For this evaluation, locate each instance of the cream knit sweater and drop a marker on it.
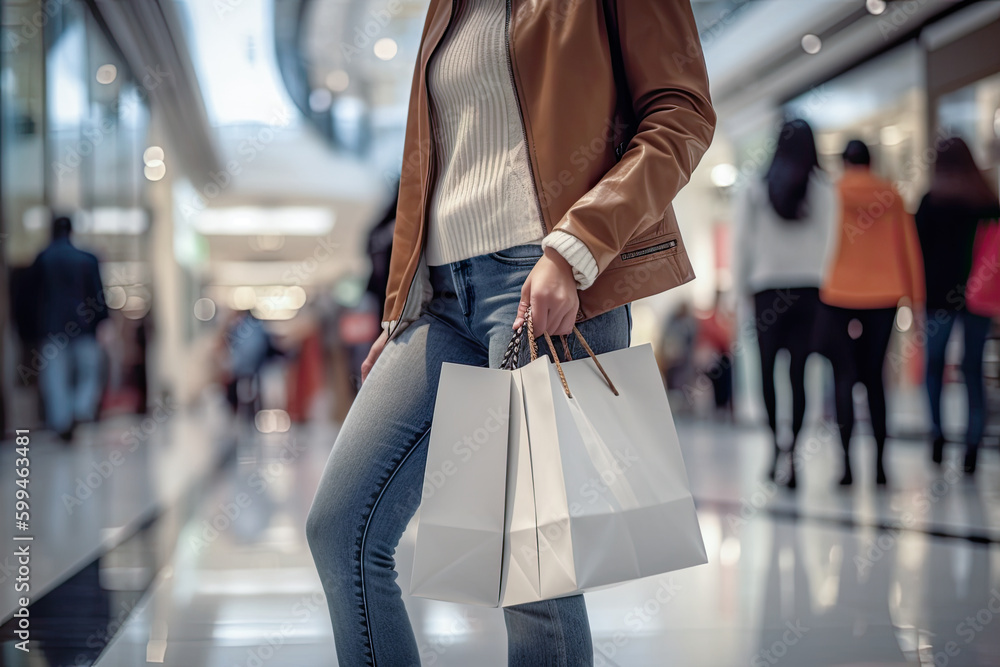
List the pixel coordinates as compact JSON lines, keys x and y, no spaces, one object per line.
{"x":484,"y":199}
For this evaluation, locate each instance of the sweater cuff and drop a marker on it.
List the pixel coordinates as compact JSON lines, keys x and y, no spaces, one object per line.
{"x":576,"y":252}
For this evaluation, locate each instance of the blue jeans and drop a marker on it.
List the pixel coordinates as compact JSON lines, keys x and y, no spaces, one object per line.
{"x":975,"y":329}
{"x":66,"y":400}
{"x":372,"y":482}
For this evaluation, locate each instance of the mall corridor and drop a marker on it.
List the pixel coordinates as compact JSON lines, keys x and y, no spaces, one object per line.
{"x":213,"y":214}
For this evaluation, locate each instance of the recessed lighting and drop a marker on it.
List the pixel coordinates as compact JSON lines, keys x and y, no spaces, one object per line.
{"x":891,"y":135}
{"x":338,"y":80}
{"x":204,"y":309}
{"x":724,"y":175}
{"x":152,"y":154}
{"x":155,"y":170}
{"x":107,"y":73}
{"x":243,"y":298}
{"x":812,"y":44}
{"x":386,"y":48}
{"x":876,"y":7}
{"x":115,"y":296}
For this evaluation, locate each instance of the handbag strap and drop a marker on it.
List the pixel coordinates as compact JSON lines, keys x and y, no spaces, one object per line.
{"x":623,"y":103}
{"x":555,"y":355}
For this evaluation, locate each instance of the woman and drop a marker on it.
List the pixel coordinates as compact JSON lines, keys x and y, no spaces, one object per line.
{"x":510,"y":196}
{"x":784,"y":224}
{"x":959,"y":199}
{"x":877,"y":264}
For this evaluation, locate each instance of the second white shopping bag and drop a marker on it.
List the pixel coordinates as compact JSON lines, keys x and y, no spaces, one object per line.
{"x":611,"y":494}
{"x":580,"y":488}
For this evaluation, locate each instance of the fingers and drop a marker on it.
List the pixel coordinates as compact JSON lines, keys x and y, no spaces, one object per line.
{"x":368,"y":363}
{"x":373,"y":355}
{"x":552,"y":314}
{"x":566,"y":324}
{"x":522,"y":307}
{"x":550,"y":290}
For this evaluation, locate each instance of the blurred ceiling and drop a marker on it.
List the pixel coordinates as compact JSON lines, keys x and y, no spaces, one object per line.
{"x":303,"y":102}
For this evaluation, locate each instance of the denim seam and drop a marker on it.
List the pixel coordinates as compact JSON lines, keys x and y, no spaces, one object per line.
{"x":364,"y":534}
{"x":560,"y":635}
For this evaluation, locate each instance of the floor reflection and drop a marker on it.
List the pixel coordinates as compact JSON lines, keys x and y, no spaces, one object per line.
{"x":817,"y":577}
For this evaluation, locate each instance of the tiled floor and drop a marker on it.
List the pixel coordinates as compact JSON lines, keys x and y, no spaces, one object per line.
{"x":87,"y":497}
{"x":819,"y":577}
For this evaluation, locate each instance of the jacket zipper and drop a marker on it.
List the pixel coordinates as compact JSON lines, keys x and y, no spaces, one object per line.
{"x":431,"y":159}
{"x":520,"y":112}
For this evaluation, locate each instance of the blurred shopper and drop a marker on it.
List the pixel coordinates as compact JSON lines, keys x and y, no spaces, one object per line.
{"x":877,"y":263}
{"x":247,"y":346}
{"x":511,"y":195}
{"x":380,"y":254}
{"x":72,"y":297}
{"x":676,"y":355}
{"x":960,"y":203}
{"x":715,"y":340}
{"x":784,"y":224}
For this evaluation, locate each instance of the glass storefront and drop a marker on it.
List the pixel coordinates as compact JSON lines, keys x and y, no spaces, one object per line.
{"x":973,"y":113}
{"x":75,"y":123}
{"x":883,"y":103}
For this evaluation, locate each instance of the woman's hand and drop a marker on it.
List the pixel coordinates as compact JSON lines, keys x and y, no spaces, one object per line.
{"x":550,"y":290}
{"x":373,"y":354}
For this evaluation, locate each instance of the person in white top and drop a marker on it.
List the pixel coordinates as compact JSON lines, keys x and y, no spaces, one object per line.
{"x":784,"y":230}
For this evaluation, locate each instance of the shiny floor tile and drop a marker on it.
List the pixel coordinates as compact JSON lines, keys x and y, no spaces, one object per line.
{"x":822,"y":576}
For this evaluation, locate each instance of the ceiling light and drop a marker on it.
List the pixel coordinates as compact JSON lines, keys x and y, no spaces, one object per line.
{"x":243,"y":298}
{"x":812,"y":44}
{"x":155,"y":170}
{"x":385,"y":48}
{"x":204,"y":309}
{"x":254,"y":221}
{"x":891,"y":135}
{"x":107,"y":73}
{"x":876,"y":7}
{"x":152,"y":154}
{"x":338,"y":80}
{"x":724,"y":175}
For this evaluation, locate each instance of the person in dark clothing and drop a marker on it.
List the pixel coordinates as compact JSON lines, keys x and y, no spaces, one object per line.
{"x":380,"y":252}
{"x":959,"y":200}
{"x":69,"y":285}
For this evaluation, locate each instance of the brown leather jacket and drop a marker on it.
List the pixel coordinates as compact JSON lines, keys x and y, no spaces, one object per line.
{"x":562,"y":71}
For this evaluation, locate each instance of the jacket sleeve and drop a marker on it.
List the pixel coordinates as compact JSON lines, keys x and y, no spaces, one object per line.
{"x":668,"y":81}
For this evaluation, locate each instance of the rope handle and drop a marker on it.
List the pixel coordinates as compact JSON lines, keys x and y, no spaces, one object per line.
{"x":565,"y":346}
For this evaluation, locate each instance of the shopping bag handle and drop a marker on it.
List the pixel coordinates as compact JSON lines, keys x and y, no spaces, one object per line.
{"x":555,"y":355}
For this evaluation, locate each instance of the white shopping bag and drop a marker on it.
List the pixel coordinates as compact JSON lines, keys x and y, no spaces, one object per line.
{"x":460,"y":532}
{"x":611,"y":494}
{"x":530,"y":494}
{"x":520,"y":581}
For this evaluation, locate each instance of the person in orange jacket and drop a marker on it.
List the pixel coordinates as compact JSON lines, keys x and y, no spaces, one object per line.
{"x":877,"y":263}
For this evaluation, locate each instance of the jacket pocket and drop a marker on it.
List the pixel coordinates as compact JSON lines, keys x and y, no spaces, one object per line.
{"x":660,"y":245}
{"x":654,"y":231}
